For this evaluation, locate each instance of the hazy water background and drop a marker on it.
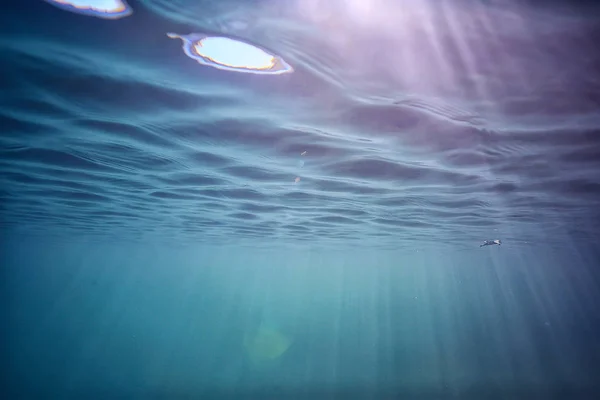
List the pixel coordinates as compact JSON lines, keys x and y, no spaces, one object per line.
{"x":150,"y":216}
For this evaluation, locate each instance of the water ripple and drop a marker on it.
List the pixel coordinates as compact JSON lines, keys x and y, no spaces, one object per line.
{"x":95,"y":142}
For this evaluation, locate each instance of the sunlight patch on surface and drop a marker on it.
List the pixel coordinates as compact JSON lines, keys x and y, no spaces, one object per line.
{"x":110,"y":9}
{"x":230,"y":54}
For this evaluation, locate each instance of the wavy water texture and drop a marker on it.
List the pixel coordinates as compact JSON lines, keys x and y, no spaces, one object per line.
{"x":400,"y":125}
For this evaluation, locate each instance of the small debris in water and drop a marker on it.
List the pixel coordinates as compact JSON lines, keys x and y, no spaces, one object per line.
{"x":491,"y":242}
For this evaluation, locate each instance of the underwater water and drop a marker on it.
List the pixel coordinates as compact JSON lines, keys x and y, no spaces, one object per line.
{"x":286,"y":199}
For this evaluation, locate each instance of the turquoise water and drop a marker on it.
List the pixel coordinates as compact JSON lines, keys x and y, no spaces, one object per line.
{"x":114,"y":321}
{"x":308,"y":226}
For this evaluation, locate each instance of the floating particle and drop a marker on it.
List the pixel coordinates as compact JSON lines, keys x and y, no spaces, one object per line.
{"x":303,"y":153}
{"x":230,"y":54}
{"x":109,"y":9}
{"x":297,"y":179}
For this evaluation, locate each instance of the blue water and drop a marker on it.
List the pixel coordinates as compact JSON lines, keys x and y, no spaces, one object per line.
{"x":173,"y":230}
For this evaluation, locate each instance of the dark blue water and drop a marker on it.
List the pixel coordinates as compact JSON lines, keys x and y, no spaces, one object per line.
{"x":174,"y":230}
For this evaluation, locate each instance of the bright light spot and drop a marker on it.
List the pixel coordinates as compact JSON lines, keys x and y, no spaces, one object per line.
{"x":110,"y":9}
{"x":231,"y":55}
{"x":234,"y":54}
